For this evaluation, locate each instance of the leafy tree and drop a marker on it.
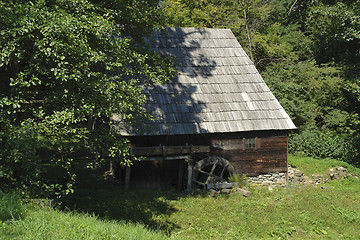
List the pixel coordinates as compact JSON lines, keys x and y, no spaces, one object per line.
{"x":334,"y":27}
{"x":244,"y":18}
{"x":277,"y":43}
{"x":191,"y":13}
{"x":63,"y":64}
{"x":309,"y":93}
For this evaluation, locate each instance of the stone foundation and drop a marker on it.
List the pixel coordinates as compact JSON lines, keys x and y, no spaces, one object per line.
{"x":297,"y":177}
{"x":268,"y":179}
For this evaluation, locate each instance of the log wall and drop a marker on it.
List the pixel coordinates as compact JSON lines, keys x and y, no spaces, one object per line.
{"x":268,"y":153}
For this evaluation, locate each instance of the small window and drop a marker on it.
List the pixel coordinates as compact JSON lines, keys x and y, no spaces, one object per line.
{"x":250,"y":143}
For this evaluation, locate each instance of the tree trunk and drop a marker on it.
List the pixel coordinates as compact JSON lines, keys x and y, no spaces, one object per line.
{"x":248,"y":33}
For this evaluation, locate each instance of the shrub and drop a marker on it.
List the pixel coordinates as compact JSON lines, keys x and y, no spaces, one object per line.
{"x":19,"y":163}
{"x":10,"y":207}
{"x":322,"y":143}
{"x":241,"y":180}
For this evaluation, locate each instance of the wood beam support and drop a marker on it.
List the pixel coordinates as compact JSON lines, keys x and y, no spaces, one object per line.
{"x":181,"y":174}
{"x":190,"y":171}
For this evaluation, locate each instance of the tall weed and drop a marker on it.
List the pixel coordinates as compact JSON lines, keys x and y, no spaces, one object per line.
{"x":241,"y":180}
{"x":10,"y":207}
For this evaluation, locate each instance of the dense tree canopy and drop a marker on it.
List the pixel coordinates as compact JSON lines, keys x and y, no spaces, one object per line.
{"x":64,"y":66}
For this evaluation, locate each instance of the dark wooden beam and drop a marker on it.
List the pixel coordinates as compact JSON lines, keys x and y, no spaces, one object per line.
{"x":169,"y":150}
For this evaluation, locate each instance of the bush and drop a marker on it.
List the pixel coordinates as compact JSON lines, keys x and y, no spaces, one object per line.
{"x":10,"y":207}
{"x":322,"y":143}
{"x":19,"y":163}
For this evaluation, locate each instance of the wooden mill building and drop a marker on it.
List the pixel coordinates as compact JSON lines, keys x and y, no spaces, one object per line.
{"x":218,"y":100}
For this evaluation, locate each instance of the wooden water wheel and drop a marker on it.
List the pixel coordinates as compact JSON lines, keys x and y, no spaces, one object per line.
{"x":212,"y":169}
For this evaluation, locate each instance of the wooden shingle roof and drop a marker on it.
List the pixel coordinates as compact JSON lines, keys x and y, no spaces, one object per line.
{"x":217,"y":89}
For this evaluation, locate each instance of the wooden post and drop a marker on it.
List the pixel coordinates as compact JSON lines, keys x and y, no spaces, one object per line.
{"x":287,"y":161}
{"x":127,"y":178}
{"x":189,"y":179}
{"x":181,"y":173}
{"x":164,"y":152}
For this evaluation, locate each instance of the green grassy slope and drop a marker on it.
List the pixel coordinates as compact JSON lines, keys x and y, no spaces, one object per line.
{"x":48,"y":223}
{"x":304,"y":212}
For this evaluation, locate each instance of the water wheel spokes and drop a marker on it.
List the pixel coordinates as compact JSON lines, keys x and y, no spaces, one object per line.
{"x":211,"y":173}
{"x":223,"y":171}
{"x":212,"y":169}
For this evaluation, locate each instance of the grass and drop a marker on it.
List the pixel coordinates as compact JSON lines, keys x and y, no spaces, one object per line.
{"x":319,"y":166}
{"x":102,"y":210}
{"x":47,"y":223}
{"x":297,"y":213}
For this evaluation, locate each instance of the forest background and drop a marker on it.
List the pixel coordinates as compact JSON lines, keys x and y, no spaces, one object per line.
{"x":67,"y":65}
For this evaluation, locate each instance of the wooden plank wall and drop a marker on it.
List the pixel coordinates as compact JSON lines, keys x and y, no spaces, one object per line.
{"x":269,"y":155}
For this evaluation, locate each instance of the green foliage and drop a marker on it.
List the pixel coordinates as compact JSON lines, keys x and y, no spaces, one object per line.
{"x":322,"y":143}
{"x":20,"y":165}
{"x":10,"y":207}
{"x":335,"y":30}
{"x":307,"y":92}
{"x":65,"y":67}
{"x":191,"y":13}
{"x":243,"y":17}
{"x":277,"y":43}
{"x":316,"y":99}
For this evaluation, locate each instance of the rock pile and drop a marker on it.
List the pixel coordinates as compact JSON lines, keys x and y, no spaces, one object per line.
{"x":226,"y":188}
{"x":295,"y":176}
{"x":319,"y":179}
{"x":338,"y":173}
{"x":270,"y":180}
